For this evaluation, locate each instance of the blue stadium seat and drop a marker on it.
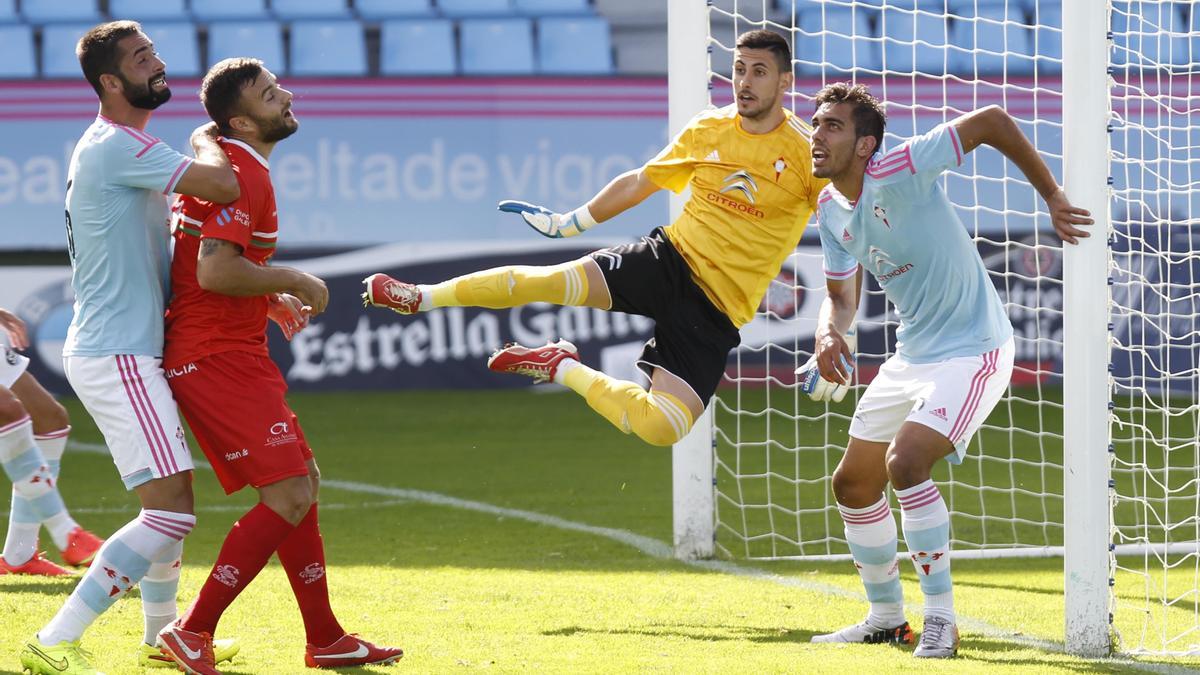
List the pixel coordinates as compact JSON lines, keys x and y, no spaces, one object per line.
{"x":227,"y":10}
{"x":16,"y":52}
{"x":177,"y":46}
{"x":468,"y":8}
{"x":8,"y":11}
{"x":835,"y":37}
{"x":913,"y":41}
{"x":290,"y":10}
{"x":60,"y":11}
{"x":328,"y":48}
{"x":1149,"y":35}
{"x":1047,"y":39}
{"x":376,"y":10}
{"x":417,"y":47}
{"x":259,"y":39}
{"x":58,"y":50}
{"x":496,"y":46}
{"x":574,"y":46}
{"x":147,"y":10}
{"x":990,"y":41}
{"x":552,"y":7}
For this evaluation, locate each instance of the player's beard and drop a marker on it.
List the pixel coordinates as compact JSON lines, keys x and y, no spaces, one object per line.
{"x":277,"y":128}
{"x":143,"y":95}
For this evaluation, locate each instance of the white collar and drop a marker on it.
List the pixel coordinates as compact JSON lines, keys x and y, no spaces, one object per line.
{"x":253,"y":153}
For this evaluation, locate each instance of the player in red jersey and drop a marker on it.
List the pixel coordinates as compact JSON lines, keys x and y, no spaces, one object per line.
{"x":230,"y":391}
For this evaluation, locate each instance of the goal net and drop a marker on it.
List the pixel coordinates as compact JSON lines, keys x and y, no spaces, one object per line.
{"x":930,"y":61}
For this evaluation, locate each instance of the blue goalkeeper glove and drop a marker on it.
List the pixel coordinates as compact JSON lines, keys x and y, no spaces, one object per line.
{"x":821,"y":389}
{"x":549,"y":223}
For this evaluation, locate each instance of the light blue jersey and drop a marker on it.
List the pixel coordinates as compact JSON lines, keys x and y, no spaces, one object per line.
{"x":904,"y":230}
{"x":118,"y":237}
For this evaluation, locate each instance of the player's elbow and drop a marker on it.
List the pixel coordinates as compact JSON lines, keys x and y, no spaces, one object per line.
{"x":226,"y":188}
{"x":209,"y":276}
{"x":998,"y":125}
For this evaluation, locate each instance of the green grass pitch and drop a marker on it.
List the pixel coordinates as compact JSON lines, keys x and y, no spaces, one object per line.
{"x":518,"y":532}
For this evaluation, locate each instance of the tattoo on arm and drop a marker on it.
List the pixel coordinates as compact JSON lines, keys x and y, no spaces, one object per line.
{"x":211,"y":246}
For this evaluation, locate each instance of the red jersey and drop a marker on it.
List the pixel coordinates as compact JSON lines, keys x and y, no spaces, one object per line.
{"x":199,"y":322}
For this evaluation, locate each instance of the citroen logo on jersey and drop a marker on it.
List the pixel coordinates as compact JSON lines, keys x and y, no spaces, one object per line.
{"x":740,"y":181}
{"x":885,"y":269}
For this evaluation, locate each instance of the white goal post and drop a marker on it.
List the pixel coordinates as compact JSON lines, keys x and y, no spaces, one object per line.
{"x":1096,"y":458}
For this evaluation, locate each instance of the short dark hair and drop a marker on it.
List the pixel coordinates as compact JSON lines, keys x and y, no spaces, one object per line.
{"x":868,"y":115}
{"x":221,"y":90}
{"x":99,"y":52}
{"x":771,"y":41}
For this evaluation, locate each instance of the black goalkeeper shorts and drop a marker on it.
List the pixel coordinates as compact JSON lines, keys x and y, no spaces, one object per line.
{"x":692,"y":338}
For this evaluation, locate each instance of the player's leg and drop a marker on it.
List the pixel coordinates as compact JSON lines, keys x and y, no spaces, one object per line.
{"x":959,"y":395}
{"x":129,"y":399}
{"x":659,"y":416}
{"x":571,"y":283}
{"x":51,"y":426}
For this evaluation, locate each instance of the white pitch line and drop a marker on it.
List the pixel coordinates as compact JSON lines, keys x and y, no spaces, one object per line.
{"x":660,"y":550}
{"x":223,"y":508}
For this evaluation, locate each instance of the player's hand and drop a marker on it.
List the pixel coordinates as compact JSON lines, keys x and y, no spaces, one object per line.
{"x":826,"y":376}
{"x":545,"y":221}
{"x":289,"y":313}
{"x":1065,"y":217}
{"x":312,"y":292}
{"x":13,"y":325}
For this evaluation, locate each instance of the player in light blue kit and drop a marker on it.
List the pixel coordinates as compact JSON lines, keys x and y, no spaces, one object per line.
{"x":117,"y":236}
{"x":954,"y":355}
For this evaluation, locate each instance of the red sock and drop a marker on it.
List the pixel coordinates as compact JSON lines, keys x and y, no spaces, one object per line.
{"x":246,"y":550}
{"x":303,"y":557}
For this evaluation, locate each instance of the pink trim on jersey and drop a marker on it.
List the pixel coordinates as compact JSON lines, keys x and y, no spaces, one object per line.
{"x":893,"y":162}
{"x":878,"y":513}
{"x":176,"y":176}
{"x":957,"y":146}
{"x":974,"y":395}
{"x":825,"y":196}
{"x":923,"y":498}
{"x":145,"y":150}
{"x":841,"y":275}
{"x":13,"y":425}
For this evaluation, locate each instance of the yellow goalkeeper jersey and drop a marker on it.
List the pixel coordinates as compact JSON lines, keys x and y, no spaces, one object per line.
{"x":752,"y":197}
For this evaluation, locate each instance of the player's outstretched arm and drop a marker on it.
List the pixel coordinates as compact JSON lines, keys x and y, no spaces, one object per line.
{"x":826,"y":376}
{"x":623,"y":192}
{"x":995,"y":127}
{"x":221,"y":268}
{"x":211,"y":176}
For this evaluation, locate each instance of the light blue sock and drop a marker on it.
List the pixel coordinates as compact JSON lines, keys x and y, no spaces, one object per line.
{"x":926,"y":523}
{"x":871,"y":534}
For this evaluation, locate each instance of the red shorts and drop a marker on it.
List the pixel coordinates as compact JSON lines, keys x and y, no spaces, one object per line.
{"x":234,"y":403}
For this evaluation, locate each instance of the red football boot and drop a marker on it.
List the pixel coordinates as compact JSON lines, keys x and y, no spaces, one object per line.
{"x":82,"y":547}
{"x":350,"y":650}
{"x":540,"y":363}
{"x":35,"y":566}
{"x":398,"y":296}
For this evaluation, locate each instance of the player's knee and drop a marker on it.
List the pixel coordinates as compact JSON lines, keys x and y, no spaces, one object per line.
{"x":11,"y":409}
{"x":847,"y":487}
{"x":52,"y":418}
{"x":906,"y":467}
{"x":654,"y":427}
{"x":291,"y":498}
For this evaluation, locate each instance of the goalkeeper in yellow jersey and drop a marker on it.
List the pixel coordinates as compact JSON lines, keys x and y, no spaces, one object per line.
{"x":700,"y":278}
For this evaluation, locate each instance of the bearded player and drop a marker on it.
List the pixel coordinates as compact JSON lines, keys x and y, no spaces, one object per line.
{"x":699,"y":279}
{"x":230,"y":391}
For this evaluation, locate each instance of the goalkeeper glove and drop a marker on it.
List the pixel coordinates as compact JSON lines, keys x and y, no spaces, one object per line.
{"x":817,"y":387}
{"x":549,"y":223}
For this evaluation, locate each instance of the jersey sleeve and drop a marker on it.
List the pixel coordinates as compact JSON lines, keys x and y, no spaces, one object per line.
{"x":839,"y":264}
{"x":920,"y":160}
{"x":673,"y":167}
{"x":234,"y":222}
{"x":146,"y":163}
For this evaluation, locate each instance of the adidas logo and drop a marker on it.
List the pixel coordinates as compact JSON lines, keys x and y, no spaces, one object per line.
{"x":939,"y":413}
{"x":846,"y":235}
{"x":713,"y":157}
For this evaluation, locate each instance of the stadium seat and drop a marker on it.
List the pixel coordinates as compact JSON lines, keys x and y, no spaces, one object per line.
{"x":60,"y":11}
{"x":552,"y":7}
{"x":417,"y":47}
{"x":328,"y":48}
{"x":496,"y":46}
{"x":1047,"y":39}
{"x":58,"y":50}
{"x":913,"y":41}
{"x":835,"y":37}
{"x":991,"y":41}
{"x":259,"y":39}
{"x":475,"y":8}
{"x":16,"y":52}
{"x":177,"y":46}
{"x":1149,"y":35}
{"x":147,"y":10}
{"x":226,"y":10}
{"x":375,"y":10}
{"x":574,"y":46}
{"x":8,"y":11}
{"x":290,"y":10}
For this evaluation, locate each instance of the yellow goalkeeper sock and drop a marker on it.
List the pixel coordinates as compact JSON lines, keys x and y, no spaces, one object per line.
{"x":514,"y":286}
{"x":653,"y":416}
